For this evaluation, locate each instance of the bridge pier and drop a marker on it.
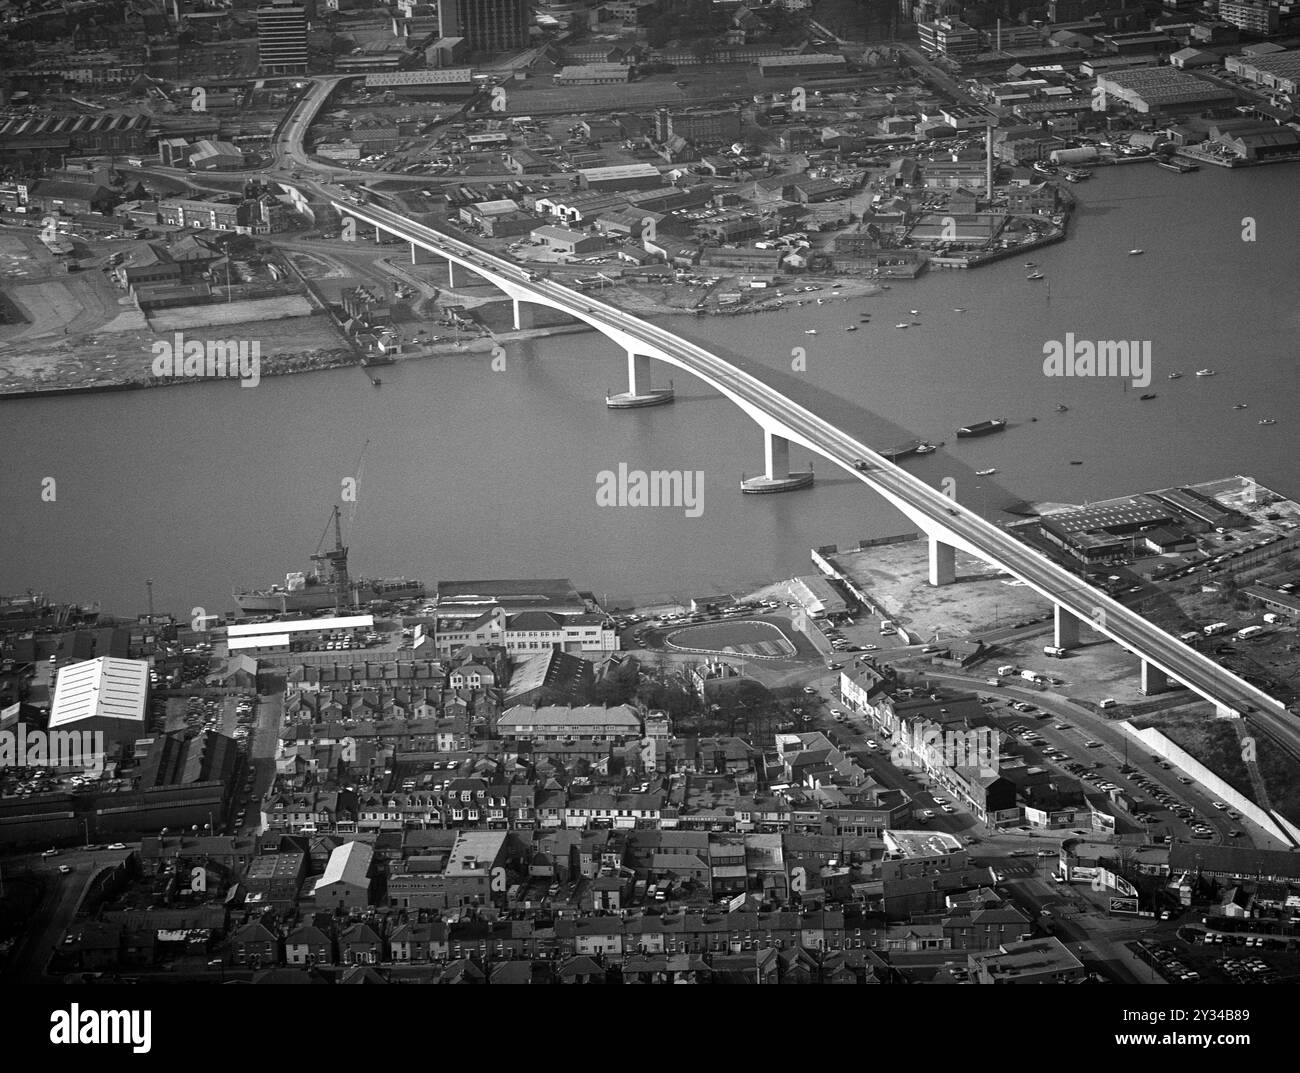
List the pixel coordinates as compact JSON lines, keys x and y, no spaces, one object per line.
{"x":639,"y":392}
{"x":451,"y":272}
{"x":1154,"y":680}
{"x":419,"y":255}
{"x":1067,"y":628}
{"x":777,"y":476}
{"x":943,"y":562}
{"x":523,"y":312}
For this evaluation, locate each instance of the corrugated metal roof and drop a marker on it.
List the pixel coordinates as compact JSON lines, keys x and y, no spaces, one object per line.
{"x":106,"y":688}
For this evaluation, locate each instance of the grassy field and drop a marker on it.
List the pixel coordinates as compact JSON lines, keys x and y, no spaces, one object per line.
{"x":734,"y":638}
{"x":1214,"y":742}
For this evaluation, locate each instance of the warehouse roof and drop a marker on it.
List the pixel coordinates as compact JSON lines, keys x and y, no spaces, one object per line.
{"x":106,"y":688}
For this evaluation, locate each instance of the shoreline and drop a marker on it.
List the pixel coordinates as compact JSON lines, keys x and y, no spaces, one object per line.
{"x":640,"y":305}
{"x":483,"y":343}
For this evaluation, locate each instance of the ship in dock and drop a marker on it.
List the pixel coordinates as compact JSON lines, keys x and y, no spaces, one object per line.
{"x":982,"y":428}
{"x":327,"y":584}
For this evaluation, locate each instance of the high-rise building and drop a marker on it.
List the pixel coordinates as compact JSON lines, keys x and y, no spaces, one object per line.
{"x":282,"y":38}
{"x":951,"y":37}
{"x":486,"y":25}
{"x":1256,"y":18}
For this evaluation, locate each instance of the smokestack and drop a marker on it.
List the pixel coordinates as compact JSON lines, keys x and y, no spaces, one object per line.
{"x":988,"y":159}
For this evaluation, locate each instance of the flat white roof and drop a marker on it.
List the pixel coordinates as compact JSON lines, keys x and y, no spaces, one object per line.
{"x":107,"y":688}
{"x":913,"y":844}
{"x":269,"y":640}
{"x":344,"y":622}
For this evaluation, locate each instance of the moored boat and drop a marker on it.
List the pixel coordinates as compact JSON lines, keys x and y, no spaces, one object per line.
{"x":982,"y":428}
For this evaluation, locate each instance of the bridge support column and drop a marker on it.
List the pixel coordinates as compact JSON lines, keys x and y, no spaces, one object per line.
{"x":523,"y":314}
{"x":1067,"y":628}
{"x":451,"y":272}
{"x":1154,"y":680}
{"x":419,"y":255}
{"x":777,"y":476}
{"x":943,"y":562}
{"x":639,"y":393}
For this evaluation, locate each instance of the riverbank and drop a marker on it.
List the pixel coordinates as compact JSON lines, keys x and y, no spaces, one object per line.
{"x":139,"y":376}
{"x":122,"y":361}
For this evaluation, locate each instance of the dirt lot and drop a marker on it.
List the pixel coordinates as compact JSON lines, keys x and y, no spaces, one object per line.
{"x":260,"y":312}
{"x":896,"y":577}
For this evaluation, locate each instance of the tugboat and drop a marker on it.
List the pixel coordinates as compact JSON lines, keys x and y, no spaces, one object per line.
{"x":1148,"y":395}
{"x":1205,"y":372}
{"x":985,"y":472}
{"x":1061,"y":408}
{"x":1035,"y":275}
{"x":1239,"y":406}
{"x":1175,"y":376}
{"x":1267,"y":421}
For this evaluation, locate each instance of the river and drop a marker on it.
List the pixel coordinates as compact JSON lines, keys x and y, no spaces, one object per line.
{"x":476,"y":473}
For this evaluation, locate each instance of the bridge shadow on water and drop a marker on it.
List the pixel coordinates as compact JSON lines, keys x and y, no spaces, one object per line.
{"x":865,"y":425}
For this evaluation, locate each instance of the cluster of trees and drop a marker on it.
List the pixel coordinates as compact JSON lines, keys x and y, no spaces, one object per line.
{"x":695,"y":23}
{"x":859,"y":20}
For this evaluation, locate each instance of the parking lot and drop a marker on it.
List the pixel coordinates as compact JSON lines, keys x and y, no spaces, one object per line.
{"x":1217,"y":963}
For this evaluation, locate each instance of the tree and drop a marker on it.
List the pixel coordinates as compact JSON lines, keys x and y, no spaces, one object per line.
{"x":702,"y":48}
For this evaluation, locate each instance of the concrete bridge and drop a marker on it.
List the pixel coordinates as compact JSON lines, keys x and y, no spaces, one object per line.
{"x":948,"y":525}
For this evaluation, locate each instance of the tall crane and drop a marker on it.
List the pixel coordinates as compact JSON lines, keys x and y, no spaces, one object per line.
{"x":337,"y":562}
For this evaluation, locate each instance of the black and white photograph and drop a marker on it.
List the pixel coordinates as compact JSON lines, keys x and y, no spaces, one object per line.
{"x":609,"y":492}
